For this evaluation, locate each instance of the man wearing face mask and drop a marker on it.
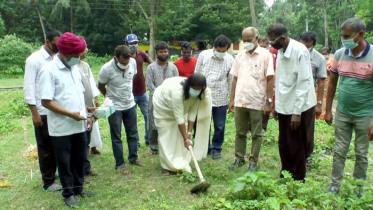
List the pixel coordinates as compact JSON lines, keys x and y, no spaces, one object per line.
{"x":295,"y":100}
{"x":252,"y":91}
{"x":34,"y":63}
{"x":139,"y":88}
{"x":62,"y":93}
{"x":156,"y":73}
{"x":352,"y":65}
{"x":187,"y":63}
{"x":215,"y":65}
{"x":318,"y":63}
{"x":115,"y":82}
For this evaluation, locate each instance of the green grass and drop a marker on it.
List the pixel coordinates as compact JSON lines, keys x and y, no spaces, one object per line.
{"x":11,"y":82}
{"x":144,"y":188}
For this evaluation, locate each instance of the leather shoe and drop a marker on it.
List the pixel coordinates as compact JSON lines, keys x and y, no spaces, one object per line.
{"x":71,"y":201}
{"x":138,"y":163}
{"x":236,"y":163}
{"x":85,"y":193}
{"x":252,"y":167}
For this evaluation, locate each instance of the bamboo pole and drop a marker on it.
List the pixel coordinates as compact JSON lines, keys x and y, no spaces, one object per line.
{"x":24,"y":129}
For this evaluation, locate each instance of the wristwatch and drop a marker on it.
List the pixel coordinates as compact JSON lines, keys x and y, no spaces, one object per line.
{"x":269,"y":100}
{"x":319,"y":102}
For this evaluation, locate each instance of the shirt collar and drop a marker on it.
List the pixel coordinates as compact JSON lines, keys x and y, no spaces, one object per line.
{"x":288,"y":49}
{"x":59,"y":63}
{"x":45,"y":53}
{"x":361,"y":54}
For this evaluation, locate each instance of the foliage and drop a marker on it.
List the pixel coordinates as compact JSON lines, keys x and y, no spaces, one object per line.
{"x":94,"y":60}
{"x":173,"y":58}
{"x":13,"y":52}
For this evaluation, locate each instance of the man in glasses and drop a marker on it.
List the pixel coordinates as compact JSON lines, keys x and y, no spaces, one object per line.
{"x":295,"y":99}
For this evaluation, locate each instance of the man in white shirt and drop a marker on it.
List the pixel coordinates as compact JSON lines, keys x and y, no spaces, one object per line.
{"x":62,"y":93}
{"x":115,"y":82}
{"x":34,"y":63}
{"x":215,"y":65}
{"x":295,"y":99}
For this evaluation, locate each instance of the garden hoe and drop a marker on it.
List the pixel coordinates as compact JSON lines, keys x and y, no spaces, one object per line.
{"x":203,"y":185}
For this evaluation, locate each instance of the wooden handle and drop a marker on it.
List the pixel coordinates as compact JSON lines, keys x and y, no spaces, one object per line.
{"x":196,"y":164}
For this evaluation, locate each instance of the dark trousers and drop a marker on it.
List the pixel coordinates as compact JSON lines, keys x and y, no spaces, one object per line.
{"x":219,"y":116}
{"x":129,"y":119}
{"x":142,"y":101}
{"x":311,"y":135}
{"x":87,"y":164}
{"x":292,"y":144}
{"x":265,"y":120}
{"x":153,"y":140}
{"x":71,"y":155}
{"x":47,"y":159}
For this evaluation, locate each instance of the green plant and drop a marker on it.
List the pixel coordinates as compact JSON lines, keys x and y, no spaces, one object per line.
{"x":173,"y":58}
{"x":19,"y":108}
{"x":189,"y":177}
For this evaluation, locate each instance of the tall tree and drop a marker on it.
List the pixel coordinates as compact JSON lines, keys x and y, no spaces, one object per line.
{"x":252,"y":13}
{"x":35,"y":5}
{"x":150,"y":18}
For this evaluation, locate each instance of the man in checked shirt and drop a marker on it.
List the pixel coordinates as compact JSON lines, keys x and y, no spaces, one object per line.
{"x":215,"y":65}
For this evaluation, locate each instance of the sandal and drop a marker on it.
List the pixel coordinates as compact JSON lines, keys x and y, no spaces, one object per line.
{"x":54,"y":188}
{"x":166,"y":172}
{"x":123,"y":170}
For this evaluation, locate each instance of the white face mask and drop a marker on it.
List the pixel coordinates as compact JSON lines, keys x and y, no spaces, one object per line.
{"x":219,"y":54}
{"x":248,"y":46}
{"x":72,"y":62}
{"x":123,"y":67}
{"x":194,"y":92}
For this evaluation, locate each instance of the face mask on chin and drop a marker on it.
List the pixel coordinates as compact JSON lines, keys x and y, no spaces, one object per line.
{"x":277,"y":46}
{"x":121,"y":66}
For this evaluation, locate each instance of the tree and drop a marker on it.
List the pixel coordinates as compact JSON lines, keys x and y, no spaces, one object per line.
{"x":252,"y":13}
{"x":35,"y":5}
{"x":150,"y":20}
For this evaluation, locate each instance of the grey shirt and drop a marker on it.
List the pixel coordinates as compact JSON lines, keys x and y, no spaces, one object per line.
{"x":318,"y":64}
{"x":155,"y":75}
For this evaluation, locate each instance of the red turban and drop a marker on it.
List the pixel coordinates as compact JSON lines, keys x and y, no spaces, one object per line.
{"x":70,"y":43}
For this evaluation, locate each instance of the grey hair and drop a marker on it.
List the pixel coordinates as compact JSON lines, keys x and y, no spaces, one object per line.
{"x":357,"y":24}
{"x":251,"y":29}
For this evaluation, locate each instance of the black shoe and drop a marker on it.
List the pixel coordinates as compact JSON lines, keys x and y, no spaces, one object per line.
{"x":85,"y":193}
{"x":216,"y":155}
{"x":71,"y":201}
{"x":236,"y":163}
{"x":252,"y":167}
{"x":333,"y":190}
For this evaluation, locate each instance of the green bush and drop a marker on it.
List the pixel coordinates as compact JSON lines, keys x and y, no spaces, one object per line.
{"x":94,"y":60}
{"x":13,"y":53}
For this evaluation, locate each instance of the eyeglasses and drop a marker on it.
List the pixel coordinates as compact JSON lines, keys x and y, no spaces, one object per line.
{"x":274,"y":41}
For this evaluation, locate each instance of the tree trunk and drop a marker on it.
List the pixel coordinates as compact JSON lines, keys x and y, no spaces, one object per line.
{"x":152,"y":35}
{"x":326,"y":24}
{"x":252,"y":12}
{"x":41,"y":23}
{"x":71,"y":19}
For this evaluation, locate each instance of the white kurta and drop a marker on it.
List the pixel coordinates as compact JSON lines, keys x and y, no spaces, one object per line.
{"x":170,"y":109}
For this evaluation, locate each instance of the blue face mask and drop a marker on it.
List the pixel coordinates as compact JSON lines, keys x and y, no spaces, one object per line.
{"x":193,"y":92}
{"x":350,"y":43}
{"x":72,"y":62}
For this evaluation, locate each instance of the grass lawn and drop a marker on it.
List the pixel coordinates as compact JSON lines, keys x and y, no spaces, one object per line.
{"x":144,"y":188}
{"x":12,"y":82}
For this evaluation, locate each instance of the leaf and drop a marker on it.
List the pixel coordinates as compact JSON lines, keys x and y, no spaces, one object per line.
{"x":298,"y":202}
{"x":254,"y":177}
{"x":239,"y":186}
{"x":273,"y":203}
{"x":284,"y":201}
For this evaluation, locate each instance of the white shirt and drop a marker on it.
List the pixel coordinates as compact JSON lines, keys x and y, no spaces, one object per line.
{"x":119,"y":84}
{"x":34,"y":63}
{"x":65,"y":87}
{"x":216,"y":70}
{"x":295,"y":91}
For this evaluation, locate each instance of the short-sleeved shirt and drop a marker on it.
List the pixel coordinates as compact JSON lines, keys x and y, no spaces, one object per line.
{"x":251,"y":71}
{"x":186,"y":68}
{"x":318,"y":63}
{"x":356,"y":81}
{"x":216,"y":70}
{"x":65,"y":87}
{"x":34,"y":63}
{"x":119,"y":84}
{"x":139,"y":87}
{"x":295,"y":91}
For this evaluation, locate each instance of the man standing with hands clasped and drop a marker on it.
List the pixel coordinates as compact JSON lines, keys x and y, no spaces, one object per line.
{"x":295,"y":100}
{"x":352,"y":65}
{"x":252,"y":90}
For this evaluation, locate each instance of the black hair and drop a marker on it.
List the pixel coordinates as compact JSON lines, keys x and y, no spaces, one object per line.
{"x":222,"y":41}
{"x":357,"y":24}
{"x":196,"y":79}
{"x":277,"y":29}
{"x":327,"y":49}
{"x":52,"y":34}
{"x":186,"y":45}
{"x":263,"y":39}
{"x":308,"y":36}
{"x":161,"y":46}
{"x":122,"y":50}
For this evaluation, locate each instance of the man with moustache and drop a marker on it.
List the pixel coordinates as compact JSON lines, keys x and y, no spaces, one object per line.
{"x":187,"y":63}
{"x":156,"y":73}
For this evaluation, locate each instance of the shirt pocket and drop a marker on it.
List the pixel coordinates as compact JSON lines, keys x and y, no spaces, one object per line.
{"x":257,"y":71}
{"x":287,"y":78}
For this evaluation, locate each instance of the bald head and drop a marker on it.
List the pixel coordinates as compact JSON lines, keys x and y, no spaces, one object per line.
{"x":250,"y":30}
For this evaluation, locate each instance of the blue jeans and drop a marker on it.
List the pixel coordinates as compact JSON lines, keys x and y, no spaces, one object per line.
{"x":219,"y":116}
{"x":142,"y":101}
{"x":129,"y":119}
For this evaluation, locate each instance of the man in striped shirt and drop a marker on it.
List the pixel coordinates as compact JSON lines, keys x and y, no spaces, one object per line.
{"x":215,"y":65}
{"x":353,"y":65}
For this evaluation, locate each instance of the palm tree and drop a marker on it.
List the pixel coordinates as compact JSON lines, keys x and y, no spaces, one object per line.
{"x":68,"y":4}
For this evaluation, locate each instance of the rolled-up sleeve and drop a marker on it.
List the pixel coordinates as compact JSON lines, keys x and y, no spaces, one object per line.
{"x":178,"y":106}
{"x":303,"y":83}
{"x":29,"y":85}
{"x":47,"y":85}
